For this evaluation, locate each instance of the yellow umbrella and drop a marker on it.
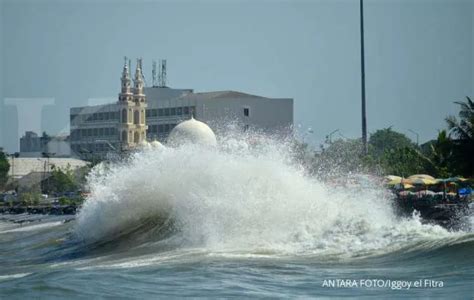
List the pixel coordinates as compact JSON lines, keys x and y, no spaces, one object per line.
{"x":421,"y":181}
{"x":421,"y":176}
{"x":398,"y":180}
{"x":392,"y":177}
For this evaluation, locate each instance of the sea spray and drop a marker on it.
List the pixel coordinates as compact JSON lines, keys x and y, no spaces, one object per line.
{"x":247,"y":195}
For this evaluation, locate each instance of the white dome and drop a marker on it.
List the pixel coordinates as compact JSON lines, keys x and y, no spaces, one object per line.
{"x":156,"y":145}
{"x":144,"y":145}
{"x":192,"y":131}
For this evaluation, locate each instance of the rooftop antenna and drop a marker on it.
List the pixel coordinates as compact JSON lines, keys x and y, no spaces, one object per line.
{"x":140,"y":63}
{"x":153,"y":74}
{"x":162,"y":73}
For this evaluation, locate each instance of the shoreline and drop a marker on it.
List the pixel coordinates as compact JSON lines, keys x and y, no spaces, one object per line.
{"x":40,"y":209}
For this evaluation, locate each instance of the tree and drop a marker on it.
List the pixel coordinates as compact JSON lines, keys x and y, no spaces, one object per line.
{"x":403,"y":162}
{"x":341,"y":157}
{"x":388,"y":139}
{"x":440,"y":154}
{"x":462,"y":132}
{"x":4,"y":168}
{"x":62,"y":181}
{"x":30,"y":198}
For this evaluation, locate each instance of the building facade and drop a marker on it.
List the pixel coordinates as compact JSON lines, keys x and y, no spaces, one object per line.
{"x":32,"y":145}
{"x":149,"y":113}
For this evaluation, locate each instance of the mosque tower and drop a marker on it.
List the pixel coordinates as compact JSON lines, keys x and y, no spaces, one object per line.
{"x":132,"y":106}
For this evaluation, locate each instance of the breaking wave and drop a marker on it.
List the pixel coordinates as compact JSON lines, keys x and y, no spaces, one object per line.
{"x":245,"y":196}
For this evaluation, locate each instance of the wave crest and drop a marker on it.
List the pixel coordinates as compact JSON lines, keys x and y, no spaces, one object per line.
{"x":245,"y":195}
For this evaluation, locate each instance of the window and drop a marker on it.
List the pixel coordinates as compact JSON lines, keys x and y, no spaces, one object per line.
{"x":179,"y":111}
{"x":136,"y":116}
{"x":246,"y":111}
{"x":124,"y":116}
{"x":173,"y":111}
{"x":186,"y":110}
{"x":154,"y":112}
{"x":160,"y":112}
{"x":148,"y":113}
{"x":161,"y":128}
{"x":167,"y":111}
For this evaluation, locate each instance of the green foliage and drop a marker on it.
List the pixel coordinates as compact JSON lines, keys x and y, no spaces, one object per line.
{"x":341,"y":157}
{"x":30,"y":198}
{"x":4,"y":168}
{"x":441,"y":155}
{"x":62,"y":181}
{"x":64,"y":201}
{"x":403,"y":162}
{"x":387,"y":140}
{"x":462,"y":134}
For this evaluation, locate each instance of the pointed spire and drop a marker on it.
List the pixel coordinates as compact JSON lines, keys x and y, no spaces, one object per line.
{"x":126,"y":80}
{"x":138,"y":71}
{"x":139,"y":78}
{"x":125,"y":72}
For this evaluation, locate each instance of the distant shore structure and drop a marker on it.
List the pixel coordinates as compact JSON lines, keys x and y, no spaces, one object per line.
{"x":148,"y":113}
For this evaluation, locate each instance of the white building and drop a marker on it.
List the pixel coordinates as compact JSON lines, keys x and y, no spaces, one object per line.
{"x":22,"y":166}
{"x":152,"y":112}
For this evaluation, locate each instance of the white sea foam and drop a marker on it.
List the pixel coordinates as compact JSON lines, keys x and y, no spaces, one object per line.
{"x":32,"y":227}
{"x":246,"y":195}
{"x":13,"y":276}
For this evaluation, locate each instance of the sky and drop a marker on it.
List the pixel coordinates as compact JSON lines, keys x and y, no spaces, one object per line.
{"x":55,"y":55}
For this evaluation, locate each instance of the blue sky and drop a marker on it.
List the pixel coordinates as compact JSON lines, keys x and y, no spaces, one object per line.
{"x":418,"y":57}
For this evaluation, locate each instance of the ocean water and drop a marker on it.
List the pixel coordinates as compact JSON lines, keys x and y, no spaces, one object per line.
{"x":239,"y":220}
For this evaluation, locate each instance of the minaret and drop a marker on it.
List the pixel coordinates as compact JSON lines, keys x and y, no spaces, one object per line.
{"x":139,"y":99}
{"x":138,"y":90}
{"x":126,"y":94}
{"x":132,"y":106}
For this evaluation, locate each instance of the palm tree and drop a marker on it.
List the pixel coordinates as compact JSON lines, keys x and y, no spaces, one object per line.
{"x":462,"y":133}
{"x":441,"y":155}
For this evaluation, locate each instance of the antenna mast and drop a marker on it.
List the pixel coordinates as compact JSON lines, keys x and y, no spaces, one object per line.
{"x":162,"y":73}
{"x":153,"y":74}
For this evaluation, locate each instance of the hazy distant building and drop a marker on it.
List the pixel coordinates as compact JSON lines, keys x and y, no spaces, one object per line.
{"x":152,"y":112}
{"x":32,"y":145}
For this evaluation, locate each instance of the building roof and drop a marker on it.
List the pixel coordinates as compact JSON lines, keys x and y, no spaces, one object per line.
{"x":220,"y":95}
{"x":33,"y":178}
{"x":227,"y":94}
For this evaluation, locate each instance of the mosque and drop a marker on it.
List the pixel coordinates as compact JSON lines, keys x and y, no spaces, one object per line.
{"x":159,"y":113}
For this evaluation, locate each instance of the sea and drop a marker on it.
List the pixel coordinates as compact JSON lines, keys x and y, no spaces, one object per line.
{"x":240,"y":220}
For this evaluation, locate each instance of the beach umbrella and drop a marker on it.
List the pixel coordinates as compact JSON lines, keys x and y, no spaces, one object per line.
{"x":421,"y":181}
{"x":398,"y":180}
{"x":421,"y":176}
{"x":453,"y":179}
{"x":392,"y":177}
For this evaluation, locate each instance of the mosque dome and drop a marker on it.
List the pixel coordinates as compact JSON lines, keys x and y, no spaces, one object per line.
{"x":144,"y":145}
{"x":156,"y":145}
{"x":192,"y":131}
